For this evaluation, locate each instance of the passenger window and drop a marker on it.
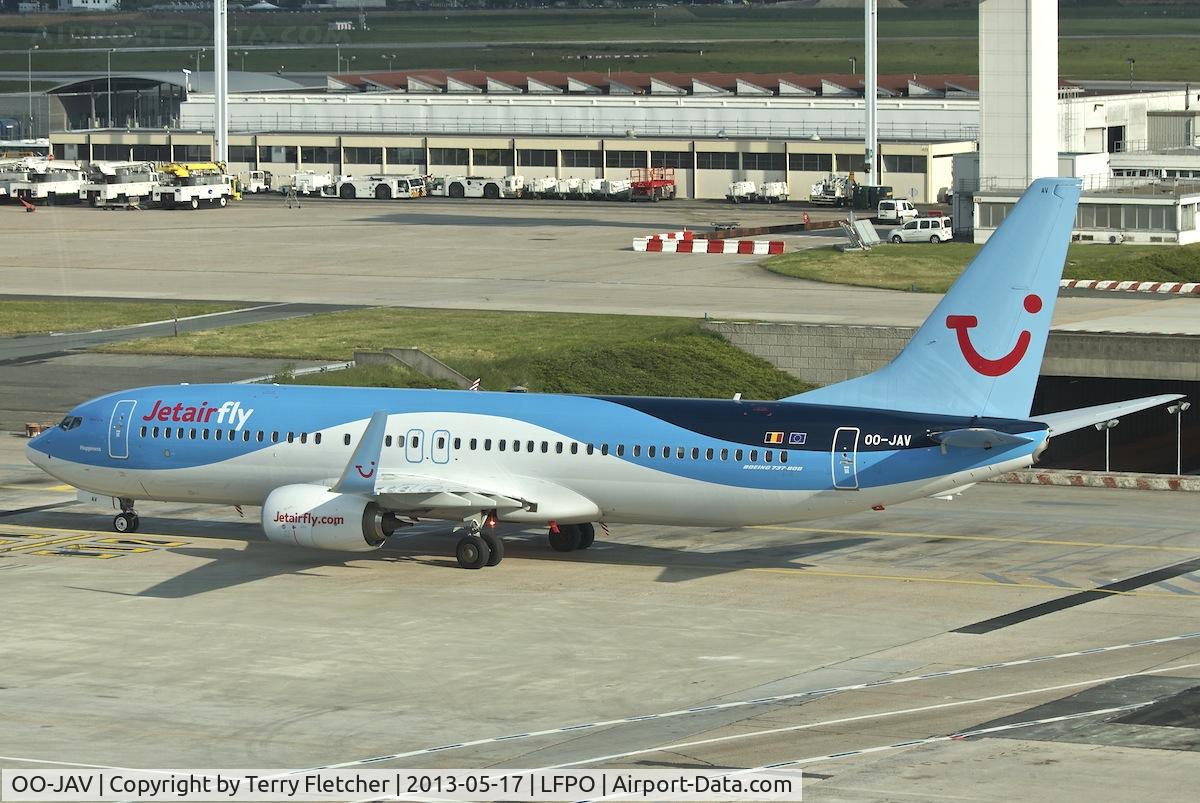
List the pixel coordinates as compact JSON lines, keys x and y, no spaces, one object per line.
{"x":637,"y":450}
{"x":650,"y":451}
{"x":620,"y":450}
{"x":724,"y":454}
{"x":155,"y":432}
{"x":604,"y":449}
{"x":457,"y":444}
{"x":415,"y":442}
{"x":304,"y":437}
{"x":487,"y":444}
{"x":291,"y":437}
{"x":275,"y":437}
{"x":166,"y":432}
{"x":143,"y":432}
{"x":516,"y":446}
{"x":529,"y":446}
{"x":260,"y":435}
{"x":346,"y":439}
{"x":501,"y":444}
{"x":545,"y":447}
{"x":558,"y":448}
{"x":769,"y":455}
{"x":695,"y":453}
{"x":204,"y":434}
{"x":666,"y":452}
{"x":782,"y":456}
{"x":472,"y":444}
{"x":316,"y":439}
{"x":221,"y":435}
{"x":574,"y":448}
{"x":591,"y":448}
{"x":754,"y":455}
{"x":738,"y":455}
{"x":708,"y":454}
{"x":387,"y":440}
{"x":925,"y":224}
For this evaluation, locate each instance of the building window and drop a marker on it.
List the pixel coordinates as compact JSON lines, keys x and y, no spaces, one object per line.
{"x":162,"y":153}
{"x":847,"y":162}
{"x":448,"y":156}
{"x":716,"y":160}
{"x":363,"y":156}
{"x":671,"y":159}
{"x":582,"y":159}
{"x":275,"y":154}
{"x":811,"y":162}
{"x":191,"y":153}
{"x":492,"y":157}
{"x":904,"y":164}
{"x":319,"y":155}
{"x":537,"y":158}
{"x":992,"y":215}
{"x":405,"y":156}
{"x":625,"y":158}
{"x":763,"y":161}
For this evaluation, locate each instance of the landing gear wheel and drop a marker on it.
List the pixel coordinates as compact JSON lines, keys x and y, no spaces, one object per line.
{"x":495,"y":546}
{"x":566,"y":539}
{"x":126,"y":522}
{"x":587,"y":535}
{"x":473,"y":552}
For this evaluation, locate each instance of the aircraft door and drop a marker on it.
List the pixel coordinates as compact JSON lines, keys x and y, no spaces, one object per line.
{"x":414,"y":446}
{"x":845,"y":459}
{"x":118,"y":429}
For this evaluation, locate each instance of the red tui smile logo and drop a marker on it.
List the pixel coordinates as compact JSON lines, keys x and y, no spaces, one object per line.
{"x":1002,"y":365}
{"x":366,"y":475}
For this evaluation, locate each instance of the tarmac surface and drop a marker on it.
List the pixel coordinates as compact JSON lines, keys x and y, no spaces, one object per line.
{"x":514,"y":254}
{"x":198,"y":643}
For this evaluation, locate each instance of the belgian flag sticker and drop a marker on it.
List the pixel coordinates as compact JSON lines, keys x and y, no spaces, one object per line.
{"x":773,"y":437}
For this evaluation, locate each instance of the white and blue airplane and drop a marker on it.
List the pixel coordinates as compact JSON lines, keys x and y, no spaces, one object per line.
{"x":344,"y":468}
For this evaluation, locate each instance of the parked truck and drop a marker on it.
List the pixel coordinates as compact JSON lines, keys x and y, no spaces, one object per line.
{"x":380,"y":187}
{"x":478,"y":187}
{"x":49,"y":181}
{"x":833,"y":190}
{"x":190,"y":184}
{"x":308,"y":182}
{"x":119,"y":184}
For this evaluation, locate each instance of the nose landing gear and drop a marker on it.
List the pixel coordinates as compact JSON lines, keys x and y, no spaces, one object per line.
{"x":127,"y":520}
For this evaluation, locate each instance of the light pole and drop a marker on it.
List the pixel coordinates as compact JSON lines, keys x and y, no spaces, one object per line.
{"x":853,"y":65}
{"x":110,"y":117}
{"x":1177,"y":410}
{"x":199,"y":55}
{"x":391,"y":60}
{"x":30,"y":76}
{"x":338,"y":45}
{"x":1107,"y":427}
{"x":243,"y":55}
{"x":1131,"y":63}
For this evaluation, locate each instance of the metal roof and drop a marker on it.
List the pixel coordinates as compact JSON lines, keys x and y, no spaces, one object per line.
{"x":200,"y":82}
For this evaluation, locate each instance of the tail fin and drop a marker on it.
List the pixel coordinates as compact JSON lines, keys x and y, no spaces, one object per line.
{"x":980,"y":351}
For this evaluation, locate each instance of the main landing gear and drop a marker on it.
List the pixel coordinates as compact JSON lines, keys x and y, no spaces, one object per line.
{"x":127,"y":520}
{"x":569,"y":537}
{"x":482,"y":546}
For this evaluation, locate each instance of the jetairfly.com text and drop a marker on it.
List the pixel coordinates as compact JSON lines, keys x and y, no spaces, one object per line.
{"x":230,"y":412}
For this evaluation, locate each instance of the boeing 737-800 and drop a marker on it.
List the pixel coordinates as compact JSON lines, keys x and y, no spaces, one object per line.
{"x":343,"y":468}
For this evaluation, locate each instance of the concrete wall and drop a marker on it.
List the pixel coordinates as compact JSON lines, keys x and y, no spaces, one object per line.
{"x":822,"y":354}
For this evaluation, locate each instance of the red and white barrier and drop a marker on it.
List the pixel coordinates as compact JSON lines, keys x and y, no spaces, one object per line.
{"x":683,"y":234}
{"x":1187,"y":288}
{"x":1100,"y":479}
{"x":755,"y":247}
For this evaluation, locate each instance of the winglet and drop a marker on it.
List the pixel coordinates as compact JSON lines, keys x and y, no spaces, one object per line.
{"x":361,"y":472}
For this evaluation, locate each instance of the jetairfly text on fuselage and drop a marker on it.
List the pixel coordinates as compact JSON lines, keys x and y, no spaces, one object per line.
{"x":230,"y":412}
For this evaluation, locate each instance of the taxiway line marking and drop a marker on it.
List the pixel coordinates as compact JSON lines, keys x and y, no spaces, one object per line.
{"x":987,"y":538}
{"x":959,"y":736}
{"x":960,"y":581}
{"x":897,"y":712}
{"x":38,"y":488}
{"x":777,"y":698}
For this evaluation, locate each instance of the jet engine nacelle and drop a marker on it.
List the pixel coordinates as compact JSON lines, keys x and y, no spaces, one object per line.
{"x":314,"y":516}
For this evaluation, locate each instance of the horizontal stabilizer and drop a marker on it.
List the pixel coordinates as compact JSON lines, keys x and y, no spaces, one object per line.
{"x":978,"y":438}
{"x":1071,"y":420}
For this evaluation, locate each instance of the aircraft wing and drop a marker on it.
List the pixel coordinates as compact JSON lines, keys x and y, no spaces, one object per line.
{"x":411,"y":493}
{"x":1071,"y":420}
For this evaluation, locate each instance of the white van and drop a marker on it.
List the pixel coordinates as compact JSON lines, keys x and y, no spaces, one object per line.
{"x":924,"y":230}
{"x":895,"y":211}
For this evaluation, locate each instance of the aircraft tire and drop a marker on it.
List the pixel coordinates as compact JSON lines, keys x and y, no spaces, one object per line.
{"x":495,"y":546}
{"x":126,"y":522}
{"x":587,"y":535}
{"x":472,"y":552}
{"x":566,"y":539}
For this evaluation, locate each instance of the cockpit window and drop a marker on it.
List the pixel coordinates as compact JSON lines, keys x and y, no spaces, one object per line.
{"x":70,"y":422}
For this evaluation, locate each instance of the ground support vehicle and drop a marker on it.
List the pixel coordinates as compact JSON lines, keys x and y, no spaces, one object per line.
{"x":119,"y":184}
{"x":478,"y":187}
{"x":191,"y":184}
{"x":652,"y":184}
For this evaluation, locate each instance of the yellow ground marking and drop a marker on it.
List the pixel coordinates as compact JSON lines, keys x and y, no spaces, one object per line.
{"x":987,"y":538}
{"x":55,"y":488}
{"x":902,"y":578}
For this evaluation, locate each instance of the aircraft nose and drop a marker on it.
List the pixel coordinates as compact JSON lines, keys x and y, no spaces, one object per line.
{"x":36,"y":452}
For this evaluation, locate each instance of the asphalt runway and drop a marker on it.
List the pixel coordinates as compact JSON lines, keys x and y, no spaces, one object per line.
{"x":198,"y":643}
{"x":512,"y":254}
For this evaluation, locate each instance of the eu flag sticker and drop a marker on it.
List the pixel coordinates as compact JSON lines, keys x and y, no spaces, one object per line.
{"x":797,"y":438}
